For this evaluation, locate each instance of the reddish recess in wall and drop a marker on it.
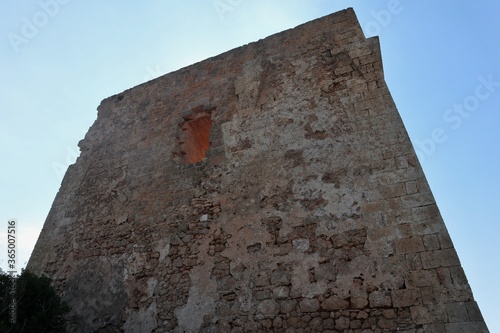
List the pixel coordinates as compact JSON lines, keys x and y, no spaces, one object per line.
{"x":195,"y":137}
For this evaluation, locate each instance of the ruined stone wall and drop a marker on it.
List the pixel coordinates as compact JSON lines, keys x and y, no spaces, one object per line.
{"x":308,"y":213}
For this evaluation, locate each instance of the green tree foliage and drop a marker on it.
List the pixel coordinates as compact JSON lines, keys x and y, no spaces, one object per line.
{"x":38,"y":309}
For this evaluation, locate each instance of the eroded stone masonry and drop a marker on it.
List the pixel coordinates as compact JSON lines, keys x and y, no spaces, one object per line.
{"x":272,"y":188}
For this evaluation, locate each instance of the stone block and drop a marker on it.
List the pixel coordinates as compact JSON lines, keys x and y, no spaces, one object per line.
{"x":342,"y":323}
{"x":316,"y":323}
{"x":268,"y":307}
{"x":406,"y":298}
{"x":287,"y":306}
{"x":343,"y":70}
{"x":411,"y":187}
{"x":379,"y":299}
{"x":427,"y":227}
{"x":409,"y":245}
{"x":424,"y":278}
{"x":424,"y":213}
{"x":445,"y":240}
{"x":359,"y":302}
{"x":428,"y":295}
{"x":467,"y":327}
{"x":429,"y":314}
{"x":431,"y":242}
{"x":435,"y":328}
{"x":359,"y":52}
{"x":417,"y":200}
{"x":473,"y":311}
{"x":263,"y":294}
{"x":334,"y":303}
{"x":387,"y":324}
{"x":440,"y":258}
{"x":278,"y":322}
{"x":325,"y":272}
{"x":280,"y":278}
{"x":457,"y":312}
{"x":414,"y":261}
{"x":309,"y":305}
{"x":281,"y":292}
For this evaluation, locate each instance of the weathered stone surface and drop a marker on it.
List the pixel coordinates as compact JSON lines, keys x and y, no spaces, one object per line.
{"x":309,"y":305}
{"x":334,"y":303}
{"x":270,"y":188}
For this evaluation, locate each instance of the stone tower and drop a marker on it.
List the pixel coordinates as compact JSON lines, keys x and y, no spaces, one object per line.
{"x":270,"y":188}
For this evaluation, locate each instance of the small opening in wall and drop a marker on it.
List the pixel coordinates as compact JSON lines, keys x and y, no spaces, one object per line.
{"x":194,"y":139}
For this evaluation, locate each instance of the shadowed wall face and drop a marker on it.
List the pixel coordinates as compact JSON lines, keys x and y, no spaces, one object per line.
{"x":271,"y":188}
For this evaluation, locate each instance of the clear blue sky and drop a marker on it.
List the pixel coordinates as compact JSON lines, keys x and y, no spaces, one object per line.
{"x":60,"y":58}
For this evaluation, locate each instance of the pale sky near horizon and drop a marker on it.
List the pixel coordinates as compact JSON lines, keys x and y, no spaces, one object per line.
{"x":60,"y":58}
